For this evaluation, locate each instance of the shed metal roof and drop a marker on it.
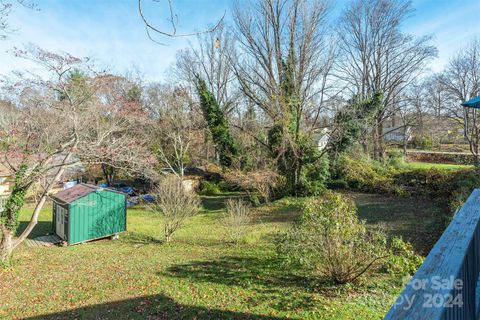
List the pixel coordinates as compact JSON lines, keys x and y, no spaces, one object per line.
{"x":78,"y":191}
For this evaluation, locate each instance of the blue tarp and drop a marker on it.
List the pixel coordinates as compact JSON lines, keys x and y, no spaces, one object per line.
{"x":472,"y":103}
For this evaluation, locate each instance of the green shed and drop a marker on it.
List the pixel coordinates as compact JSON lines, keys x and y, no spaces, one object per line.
{"x":86,"y":212}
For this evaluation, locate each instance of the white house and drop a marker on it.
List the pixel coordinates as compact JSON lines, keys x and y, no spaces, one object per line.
{"x":397,"y":134}
{"x":321,"y":137}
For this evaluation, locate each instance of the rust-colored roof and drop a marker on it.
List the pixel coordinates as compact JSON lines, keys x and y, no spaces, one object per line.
{"x":75,"y":192}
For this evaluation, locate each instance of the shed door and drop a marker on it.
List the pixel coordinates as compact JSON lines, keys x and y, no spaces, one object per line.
{"x":60,"y":223}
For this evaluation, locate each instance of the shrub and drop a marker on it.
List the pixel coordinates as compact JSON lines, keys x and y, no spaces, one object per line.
{"x":210,"y":188}
{"x":396,"y":158}
{"x":364,"y":175}
{"x":314,"y":176}
{"x":331,"y":241}
{"x":174,"y":204}
{"x":236,"y":219}
{"x":402,"y":260}
{"x":262,"y":183}
{"x":338,"y":184}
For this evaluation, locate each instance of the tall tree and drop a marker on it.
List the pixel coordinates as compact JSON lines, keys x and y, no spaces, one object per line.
{"x":285,"y":57}
{"x":461,"y":79}
{"x":376,"y":56}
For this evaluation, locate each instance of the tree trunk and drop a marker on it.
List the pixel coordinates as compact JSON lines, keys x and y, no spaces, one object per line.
{"x":6,"y":246}
{"x":34,"y":220}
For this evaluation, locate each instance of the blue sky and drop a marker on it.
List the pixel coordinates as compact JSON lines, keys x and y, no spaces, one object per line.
{"x":112,"y":33}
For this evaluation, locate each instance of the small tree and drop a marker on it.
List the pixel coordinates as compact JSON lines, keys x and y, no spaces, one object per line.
{"x":70,"y":115}
{"x":236,"y":218}
{"x":174,"y":203}
{"x":331,"y":240}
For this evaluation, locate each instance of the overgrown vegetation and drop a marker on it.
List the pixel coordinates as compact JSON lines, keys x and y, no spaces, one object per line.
{"x":331,"y":241}
{"x":449,"y":187}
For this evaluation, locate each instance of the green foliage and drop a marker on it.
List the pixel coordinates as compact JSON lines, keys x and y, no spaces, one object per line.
{"x":351,"y":123}
{"x":365,"y":175}
{"x":78,"y":88}
{"x":315,"y":173}
{"x":217,"y":124}
{"x":396,"y":158}
{"x":337,"y":184}
{"x":448,"y":187}
{"x":209,"y":188}
{"x":15,"y":201}
{"x":425,"y":143}
{"x":402,"y":259}
{"x":331,"y":241}
{"x":134,"y":93}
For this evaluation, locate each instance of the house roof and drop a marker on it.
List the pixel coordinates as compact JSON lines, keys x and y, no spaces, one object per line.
{"x":472,"y":103}
{"x":4,"y":172}
{"x":78,"y":191}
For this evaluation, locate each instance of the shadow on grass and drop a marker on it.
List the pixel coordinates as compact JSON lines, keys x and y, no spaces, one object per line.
{"x":238,"y":271}
{"x":149,"y":307}
{"x":281,"y":214}
{"x":41,"y":229}
{"x":141,"y":238}
{"x":415,"y":220}
{"x":272,"y":282}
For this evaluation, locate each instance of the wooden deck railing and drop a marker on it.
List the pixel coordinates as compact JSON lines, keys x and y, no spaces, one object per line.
{"x":446,"y":285}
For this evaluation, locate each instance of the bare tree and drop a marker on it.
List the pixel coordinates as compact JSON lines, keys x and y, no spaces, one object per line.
{"x":173,"y":20}
{"x":461,"y":80}
{"x":284,"y":58}
{"x":6,"y":8}
{"x":211,"y":59}
{"x":176,"y":127}
{"x":174,"y":203}
{"x":71,"y":117}
{"x":376,"y":56}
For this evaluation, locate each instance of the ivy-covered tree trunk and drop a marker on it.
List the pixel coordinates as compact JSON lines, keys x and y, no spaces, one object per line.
{"x":9,"y":215}
{"x":6,"y":245}
{"x":218,"y":125}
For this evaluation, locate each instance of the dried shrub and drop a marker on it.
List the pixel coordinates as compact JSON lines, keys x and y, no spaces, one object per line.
{"x":236,"y":218}
{"x":262,"y":183}
{"x":174,"y":203}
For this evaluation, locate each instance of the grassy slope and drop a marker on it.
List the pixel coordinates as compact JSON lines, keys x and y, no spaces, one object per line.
{"x":197,"y":276}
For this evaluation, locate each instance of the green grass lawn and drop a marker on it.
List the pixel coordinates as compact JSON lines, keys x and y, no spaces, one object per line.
{"x":440,"y":166}
{"x":198,"y":276}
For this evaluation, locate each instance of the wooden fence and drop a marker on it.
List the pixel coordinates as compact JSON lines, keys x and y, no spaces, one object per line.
{"x":446,"y":286}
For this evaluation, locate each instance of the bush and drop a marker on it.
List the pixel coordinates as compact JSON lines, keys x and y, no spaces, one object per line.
{"x":422,"y":143}
{"x":402,"y":260}
{"x":210,"y":188}
{"x":314,"y":177}
{"x":396,"y":158}
{"x":236,"y":219}
{"x":262,"y":183}
{"x":338,"y":184}
{"x":174,"y":204}
{"x":331,"y":241}
{"x":365,"y":175}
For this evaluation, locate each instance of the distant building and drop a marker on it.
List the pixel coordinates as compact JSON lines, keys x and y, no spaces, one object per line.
{"x":5,"y":185}
{"x":322,"y":136}
{"x":397,"y":134}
